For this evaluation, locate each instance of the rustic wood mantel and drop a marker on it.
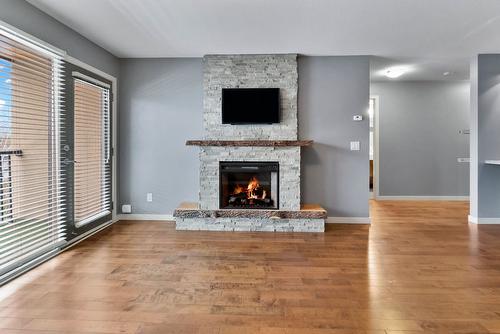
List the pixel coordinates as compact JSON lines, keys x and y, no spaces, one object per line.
{"x":248,"y":143}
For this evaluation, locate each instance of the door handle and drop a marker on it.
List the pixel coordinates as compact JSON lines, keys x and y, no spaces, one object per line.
{"x":67,"y":161}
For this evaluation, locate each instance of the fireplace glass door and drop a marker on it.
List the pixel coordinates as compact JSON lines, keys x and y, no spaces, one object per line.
{"x":249,"y":185}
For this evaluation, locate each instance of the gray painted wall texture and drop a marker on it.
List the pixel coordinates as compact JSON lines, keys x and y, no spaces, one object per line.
{"x":161,"y":107}
{"x":331,"y":91}
{"x":24,"y":16}
{"x":420,"y":140}
{"x":161,"y":104}
{"x":488,"y":131}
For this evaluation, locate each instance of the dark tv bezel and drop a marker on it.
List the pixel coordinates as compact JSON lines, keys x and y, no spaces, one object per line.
{"x":278,"y":120}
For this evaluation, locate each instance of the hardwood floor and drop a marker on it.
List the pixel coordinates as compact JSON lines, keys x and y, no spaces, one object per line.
{"x":419,"y":268}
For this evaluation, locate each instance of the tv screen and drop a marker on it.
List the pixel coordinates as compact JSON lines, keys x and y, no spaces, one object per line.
{"x":250,"y":105}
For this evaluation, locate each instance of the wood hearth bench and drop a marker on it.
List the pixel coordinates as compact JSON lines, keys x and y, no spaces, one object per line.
{"x":307,"y":211}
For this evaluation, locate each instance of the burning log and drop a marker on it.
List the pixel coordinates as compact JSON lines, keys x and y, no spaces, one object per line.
{"x":251,"y":195}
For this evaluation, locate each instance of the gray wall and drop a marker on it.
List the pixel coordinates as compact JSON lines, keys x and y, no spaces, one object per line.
{"x":331,"y":91}
{"x":420,"y":140}
{"x":160,"y":108}
{"x":33,"y":21}
{"x":488,"y":135}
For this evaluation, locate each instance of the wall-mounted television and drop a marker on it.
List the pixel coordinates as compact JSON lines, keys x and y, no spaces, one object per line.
{"x":250,"y":105}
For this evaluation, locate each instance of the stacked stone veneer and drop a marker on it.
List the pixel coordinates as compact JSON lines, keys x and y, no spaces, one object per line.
{"x":289,"y":176}
{"x":250,"y":224}
{"x":250,"y":71}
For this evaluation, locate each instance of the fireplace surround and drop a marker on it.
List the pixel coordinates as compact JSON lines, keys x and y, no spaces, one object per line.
{"x":250,"y":174}
{"x":248,"y":185}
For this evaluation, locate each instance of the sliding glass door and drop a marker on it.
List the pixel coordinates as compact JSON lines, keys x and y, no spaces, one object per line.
{"x":32,"y":203}
{"x":87,"y":142}
{"x":55,"y":152}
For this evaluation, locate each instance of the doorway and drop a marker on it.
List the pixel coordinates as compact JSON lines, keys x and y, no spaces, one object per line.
{"x":373,"y":114}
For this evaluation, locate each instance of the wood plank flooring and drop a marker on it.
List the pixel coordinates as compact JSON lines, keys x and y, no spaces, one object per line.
{"x":419,"y":268}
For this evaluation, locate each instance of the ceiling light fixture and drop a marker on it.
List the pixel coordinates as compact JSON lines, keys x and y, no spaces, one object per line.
{"x":396,"y":71}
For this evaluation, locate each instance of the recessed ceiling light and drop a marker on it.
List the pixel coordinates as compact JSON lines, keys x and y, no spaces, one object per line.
{"x":447,"y":73}
{"x":396,"y":71}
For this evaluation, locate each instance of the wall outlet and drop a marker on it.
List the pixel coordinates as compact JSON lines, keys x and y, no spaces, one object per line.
{"x":355,"y":146}
{"x":126,"y":208}
{"x":149,"y":197}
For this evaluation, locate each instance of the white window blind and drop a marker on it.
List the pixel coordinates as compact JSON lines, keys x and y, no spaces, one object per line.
{"x":31,"y":196}
{"x":92,"y":173}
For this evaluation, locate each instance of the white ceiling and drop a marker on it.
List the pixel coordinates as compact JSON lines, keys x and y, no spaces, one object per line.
{"x":432,"y":36}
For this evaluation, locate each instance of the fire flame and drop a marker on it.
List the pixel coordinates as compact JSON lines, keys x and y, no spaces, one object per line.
{"x":250,"y":190}
{"x":252,"y":186}
{"x":239,"y":189}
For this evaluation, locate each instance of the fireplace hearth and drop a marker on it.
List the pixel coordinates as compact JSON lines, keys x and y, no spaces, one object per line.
{"x":249,"y":185}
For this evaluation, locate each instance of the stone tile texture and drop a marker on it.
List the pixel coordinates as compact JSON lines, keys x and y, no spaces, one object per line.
{"x":250,"y":71}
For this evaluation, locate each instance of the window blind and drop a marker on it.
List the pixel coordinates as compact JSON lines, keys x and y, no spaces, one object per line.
{"x":31,"y":195}
{"x":92,"y":172}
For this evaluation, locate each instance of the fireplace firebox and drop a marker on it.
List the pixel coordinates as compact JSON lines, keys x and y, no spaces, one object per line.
{"x":249,"y":185}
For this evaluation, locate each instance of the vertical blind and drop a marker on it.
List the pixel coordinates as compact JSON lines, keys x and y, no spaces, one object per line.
{"x":31,"y":195}
{"x":92,"y":197}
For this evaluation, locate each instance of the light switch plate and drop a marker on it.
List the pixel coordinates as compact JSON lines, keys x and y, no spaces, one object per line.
{"x":149,"y":197}
{"x":355,"y":146}
{"x":357,"y":118}
{"x":463,"y":159}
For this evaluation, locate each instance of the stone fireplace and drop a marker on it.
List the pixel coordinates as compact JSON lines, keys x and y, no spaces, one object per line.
{"x":250,"y":174}
{"x":288,"y":159}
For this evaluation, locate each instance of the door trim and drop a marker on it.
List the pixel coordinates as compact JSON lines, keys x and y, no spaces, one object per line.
{"x":90,"y":79}
{"x":376,"y":146}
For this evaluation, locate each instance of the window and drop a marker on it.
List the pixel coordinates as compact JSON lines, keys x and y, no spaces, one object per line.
{"x":5,"y":128}
{"x":31,"y":202}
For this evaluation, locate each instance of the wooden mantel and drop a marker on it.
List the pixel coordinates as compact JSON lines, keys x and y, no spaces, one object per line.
{"x":261,"y":143}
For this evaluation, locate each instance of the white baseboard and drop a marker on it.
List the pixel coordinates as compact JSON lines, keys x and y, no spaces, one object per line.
{"x":348,"y":220}
{"x":485,"y":221}
{"x":132,"y":216}
{"x":422,"y":198}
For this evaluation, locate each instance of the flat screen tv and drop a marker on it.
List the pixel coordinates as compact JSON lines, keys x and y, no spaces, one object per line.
{"x":250,"y":105}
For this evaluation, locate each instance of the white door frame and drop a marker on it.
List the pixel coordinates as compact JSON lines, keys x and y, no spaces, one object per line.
{"x":376,"y":145}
